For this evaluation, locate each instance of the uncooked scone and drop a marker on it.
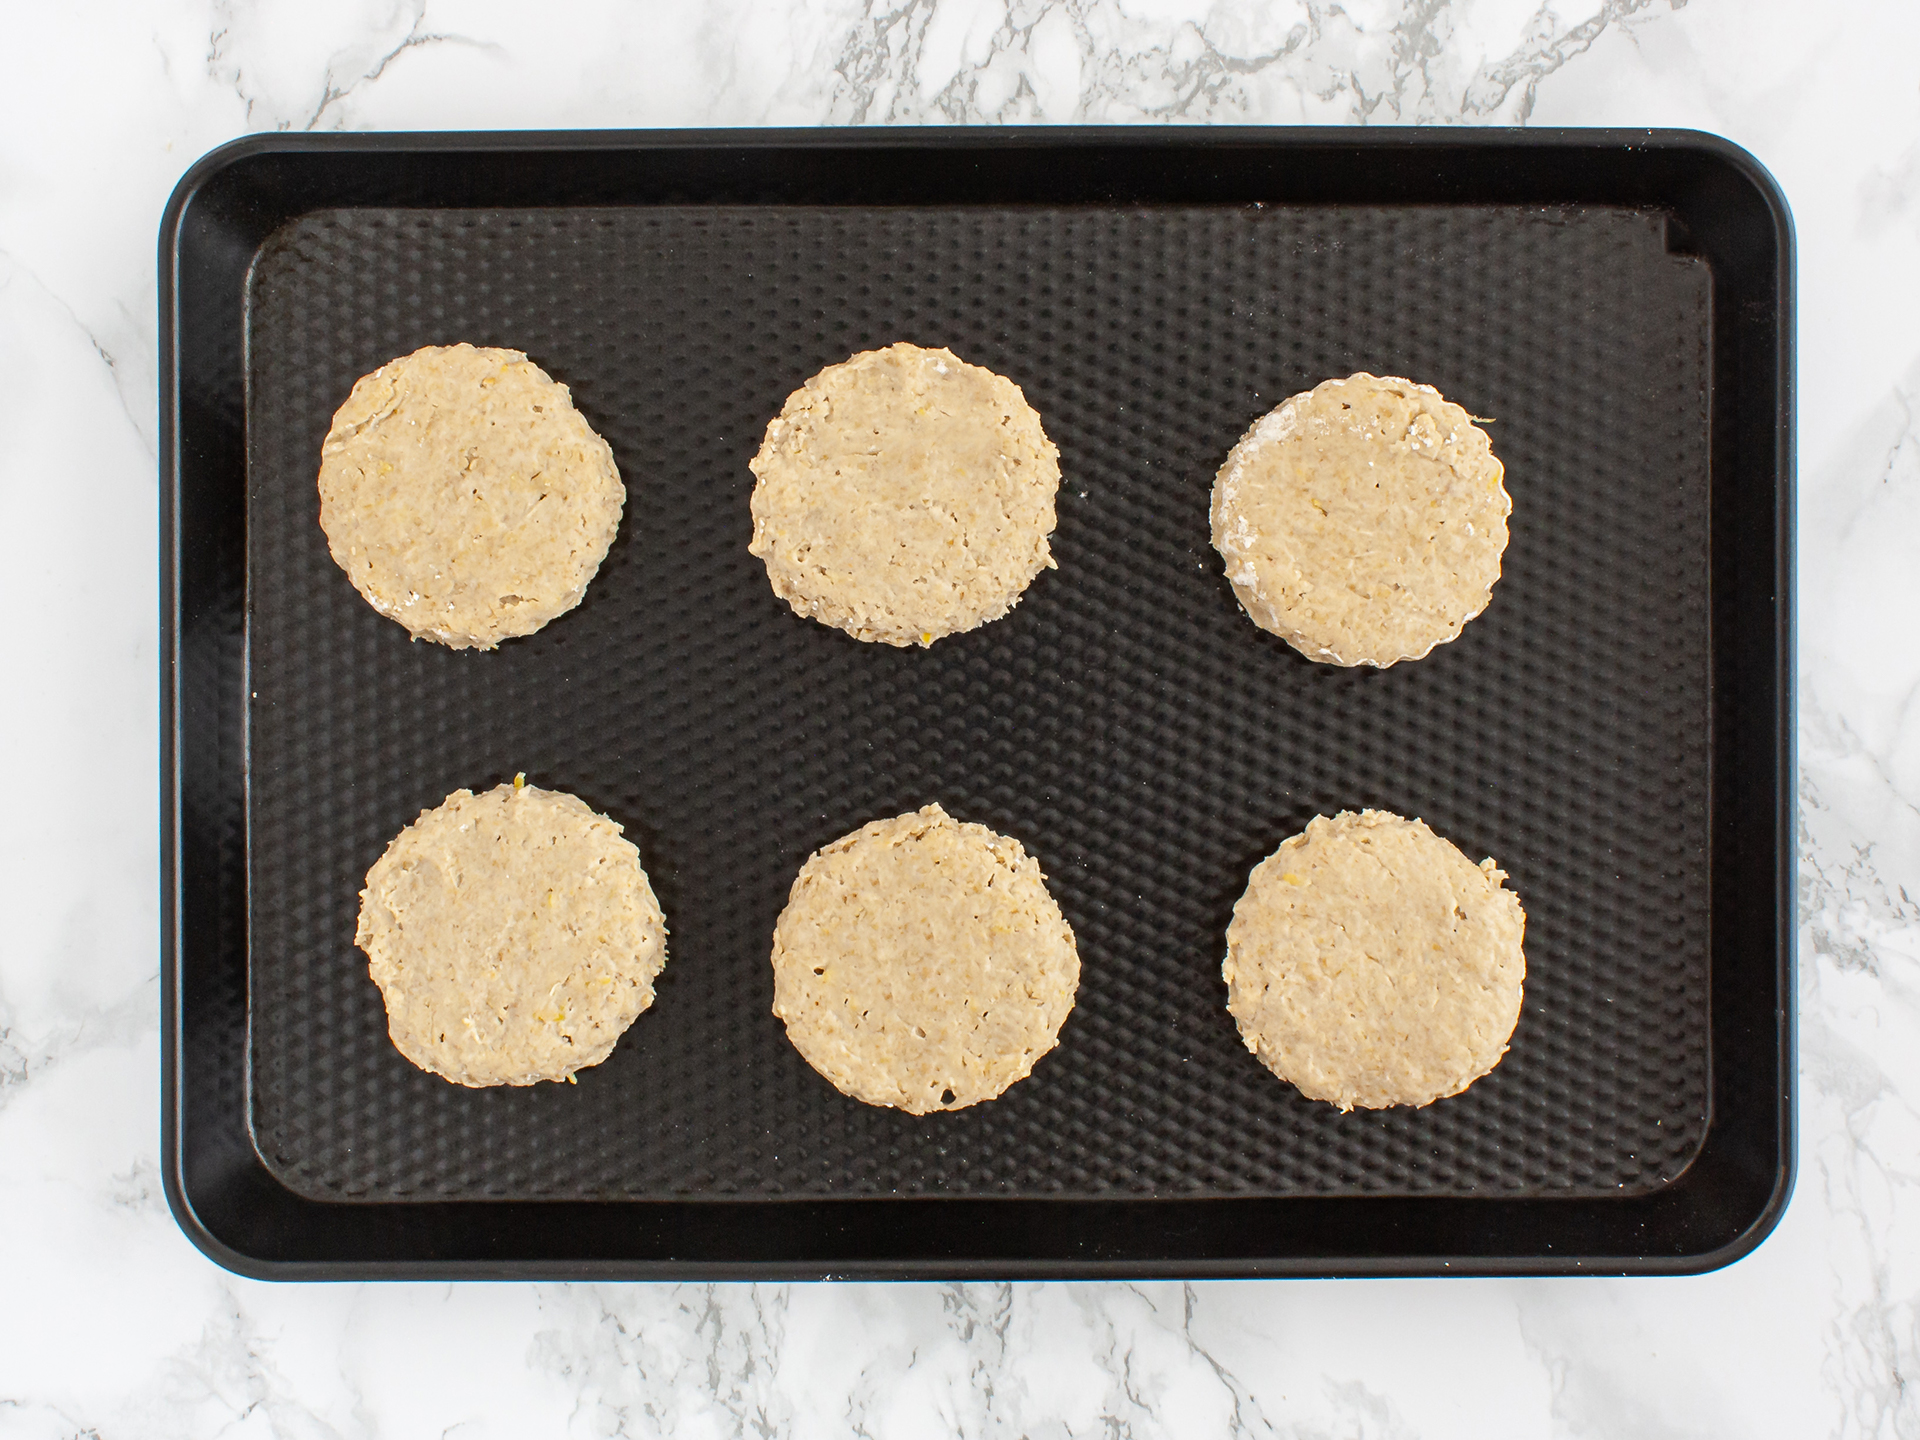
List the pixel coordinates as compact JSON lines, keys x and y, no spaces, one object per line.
{"x":513,"y":936}
{"x":903,"y":495}
{"x":1371,"y":963}
{"x":1363,"y":521}
{"x":921,"y":963}
{"x":464,"y":495}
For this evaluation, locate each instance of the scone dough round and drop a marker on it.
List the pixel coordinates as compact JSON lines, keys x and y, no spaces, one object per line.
{"x":921,"y":963}
{"x":1371,"y":963}
{"x":903,"y":495}
{"x":1362,"y":522}
{"x":464,"y":495}
{"x":513,"y":936}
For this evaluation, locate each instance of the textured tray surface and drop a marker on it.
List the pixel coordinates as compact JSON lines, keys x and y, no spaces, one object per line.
{"x":1126,"y":722}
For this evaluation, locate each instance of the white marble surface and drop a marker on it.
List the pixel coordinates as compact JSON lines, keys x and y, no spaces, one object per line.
{"x":112,"y":1325}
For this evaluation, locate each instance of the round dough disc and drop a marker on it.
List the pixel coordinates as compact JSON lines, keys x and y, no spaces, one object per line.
{"x":464,"y":495}
{"x":513,"y":936}
{"x":921,"y":963}
{"x":1362,"y":522}
{"x":1371,"y":963}
{"x":903,"y":495}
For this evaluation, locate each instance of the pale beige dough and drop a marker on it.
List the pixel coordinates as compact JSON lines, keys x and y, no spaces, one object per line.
{"x":921,"y":963}
{"x":513,"y":936}
{"x":903,"y":495}
{"x":464,"y":495}
{"x":1362,"y":522}
{"x":1371,"y":963}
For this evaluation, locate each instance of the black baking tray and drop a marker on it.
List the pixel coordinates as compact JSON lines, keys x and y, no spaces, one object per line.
{"x":1615,"y":729}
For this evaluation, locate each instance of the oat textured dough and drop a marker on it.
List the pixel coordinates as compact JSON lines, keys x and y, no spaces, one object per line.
{"x":1371,"y":963}
{"x":513,"y":936}
{"x":464,"y":495}
{"x":921,"y":963}
{"x":903,"y":495}
{"x":1362,"y":522}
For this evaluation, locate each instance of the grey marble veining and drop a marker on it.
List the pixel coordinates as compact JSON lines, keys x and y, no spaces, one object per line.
{"x":1109,"y":62}
{"x":111,"y":1325}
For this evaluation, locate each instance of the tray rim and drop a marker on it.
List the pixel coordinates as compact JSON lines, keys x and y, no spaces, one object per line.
{"x":250,"y":1224}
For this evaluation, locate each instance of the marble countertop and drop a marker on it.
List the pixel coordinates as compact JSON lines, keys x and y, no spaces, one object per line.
{"x":111,"y":1324}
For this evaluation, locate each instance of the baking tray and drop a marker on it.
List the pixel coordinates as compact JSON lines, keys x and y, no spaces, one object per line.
{"x":1614,"y":729}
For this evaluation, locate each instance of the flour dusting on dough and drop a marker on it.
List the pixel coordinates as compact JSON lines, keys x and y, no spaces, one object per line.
{"x":1362,"y":522}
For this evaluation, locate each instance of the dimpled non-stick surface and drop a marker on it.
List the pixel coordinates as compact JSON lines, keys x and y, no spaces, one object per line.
{"x":1126,"y":722}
